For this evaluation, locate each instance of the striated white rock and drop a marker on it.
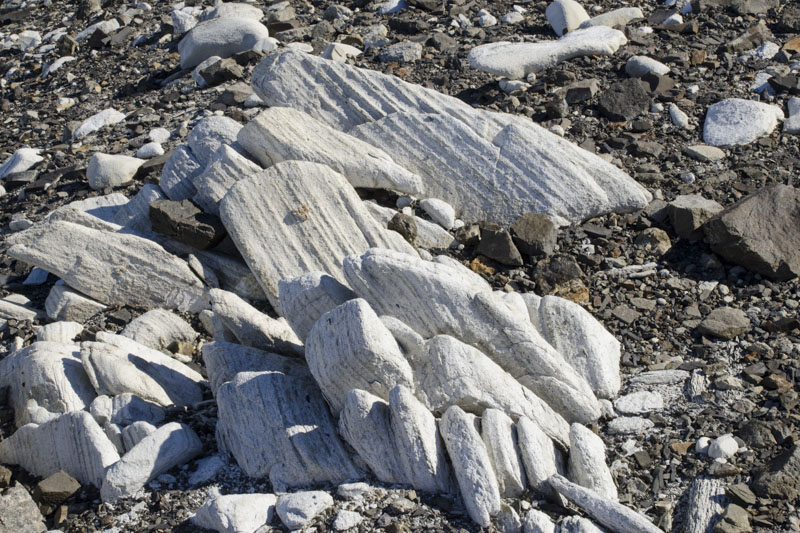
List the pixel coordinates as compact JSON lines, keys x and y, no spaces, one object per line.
{"x":63,"y":303}
{"x":638,"y":66}
{"x":429,"y":235}
{"x":517,"y":60}
{"x":705,"y":504}
{"x":106,"y":117}
{"x":434,"y":298}
{"x":45,"y":375}
{"x":232,"y":274}
{"x":235,"y":513}
{"x":641,"y":402}
{"x":297,"y":509}
{"x":283,"y":134}
{"x":449,"y":372}
{"x":110,"y":267}
{"x":278,"y":426}
{"x":136,"y":432}
{"x":365,"y":424}
{"x":539,"y":456}
{"x":209,"y":134}
{"x":471,"y":465}
{"x":127,"y":408}
{"x":17,"y":307}
{"x":224,"y":360}
{"x":221,"y":37}
{"x":296,"y":217}
{"x":307,"y":297}
{"x":612,"y":515}
{"x":20,"y":161}
{"x":178,"y":172}
{"x":578,"y":524}
{"x":737,"y":121}
{"x":135,"y":214}
{"x":418,"y":442}
{"x":73,"y":442}
{"x":440,"y":211}
{"x":63,"y":332}
{"x":536,"y":521}
{"x":565,"y":15}
{"x":583,"y":341}
{"x":616,"y":18}
{"x":158,"y":329}
{"x":499,"y":435}
{"x":468,"y":180}
{"x":170,"y":445}
{"x":587,"y":462}
{"x":226,"y":168}
{"x":350,"y":348}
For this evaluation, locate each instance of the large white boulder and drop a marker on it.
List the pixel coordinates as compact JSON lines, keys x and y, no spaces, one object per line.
{"x":565,"y":15}
{"x":221,"y":37}
{"x":111,"y":170}
{"x":738,"y":121}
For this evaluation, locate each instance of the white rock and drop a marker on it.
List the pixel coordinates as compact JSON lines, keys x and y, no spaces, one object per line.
{"x":440,"y":211}
{"x":307,"y":297}
{"x":299,"y":508}
{"x":17,"y":307}
{"x":106,"y":117}
{"x":148,"y":150}
{"x":513,"y":86}
{"x":182,"y":21}
{"x":106,"y":170}
{"x":136,"y":432}
{"x":392,"y":6}
{"x":170,"y":445}
{"x":723,"y":447}
{"x":235,"y":513}
{"x":73,"y":443}
{"x":705,"y":504}
{"x":20,"y":161}
{"x":110,"y":267}
{"x":660,"y":377}
{"x":499,"y":435}
{"x":278,"y":426}
{"x":224,"y":360}
{"x":536,"y":521}
{"x":630,"y":425}
{"x":62,"y":332}
{"x":486,"y":19}
{"x":471,"y":464}
{"x":178,"y":172}
{"x":207,"y":469}
{"x":792,"y":124}
{"x":126,"y":408}
{"x":508,"y":520}
{"x":616,"y":18}
{"x":429,"y":235}
{"x":57,"y":64}
{"x":135,"y":214}
{"x":539,"y":456}
{"x":63,"y":303}
{"x":565,"y":15}
{"x":512,"y":17}
{"x":638,"y":66}
{"x":702,"y":445}
{"x":158,"y":329}
{"x":238,"y":10}
{"x":346,"y":520}
{"x":587,"y":462}
{"x":679,"y":118}
{"x":209,"y":134}
{"x":307,"y":218}
{"x":737,"y":121}
{"x":578,"y":524}
{"x":641,"y":402}
{"x":45,"y":375}
{"x":675,"y":18}
{"x":583,"y":341}
{"x":106,"y":26}
{"x":28,"y":40}
{"x":282,"y":134}
{"x":340,"y":52}
{"x":222,"y":37}
{"x":159,"y":135}
{"x":517,"y":60}
{"x":226,"y":168}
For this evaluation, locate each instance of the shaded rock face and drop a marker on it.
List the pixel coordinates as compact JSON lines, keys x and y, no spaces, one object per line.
{"x":760,"y":232}
{"x":779,"y":478}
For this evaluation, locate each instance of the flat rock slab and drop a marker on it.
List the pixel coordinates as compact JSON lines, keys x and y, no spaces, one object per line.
{"x":737,"y":121}
{"x":535,"y":163}
{"x":112,"y":268}
{"x":297,"y":217}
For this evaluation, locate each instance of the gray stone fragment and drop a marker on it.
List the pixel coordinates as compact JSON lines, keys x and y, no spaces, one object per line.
{"x":725,"y":323}
{"x":63,"y":303}
{"x":56,"y":488}
{"x":427,"y":235}
{"x":221,"y":37}
{"x":307,"y":297}
{"x":578,"y":524}
{"x":587,"y":462}
{"x":500,"y":437}
{"x":706,"y":497}
{"x":297,"y":509}
{"x":107,"y":170}
{"x":536,"y":521}
{"x":224,"y":360}
{"x":186,"y":223}
{"x":135,"y":214}
{"x":689,"y":212}
{"x":19,"y":513}
{"x":539,"y":456}
{"x":178,"y":173}
{"x":226,"y":168}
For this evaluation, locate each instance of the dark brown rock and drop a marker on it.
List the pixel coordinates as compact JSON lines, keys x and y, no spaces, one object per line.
{"x":405,"y":225}
{"x":185,"y":222}
{"x":56,"y":489}
{"x":496,"y":243}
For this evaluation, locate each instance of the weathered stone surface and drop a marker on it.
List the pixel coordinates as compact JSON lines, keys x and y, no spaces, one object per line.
{"x":210,"y":134}
{"x":638,"y":66}
{"x":63,"y":303}
{"x":259,"y":417}
{"x":18,"y":307}
{"x":471,"y":465}
{"x":297,"y":509}
{"x":235,"y":513}
{"x":107,"y":170}
{"x":307,"y":297}
{"x":179,"y":170}
{"x":760,"y":232}
{"x":500,"y":437}
{"x":587,"y":462}
{"x":425,"y":235}
{"x":439,"y":297}
{"x":224,"y":360}
{"x":110,"y":267}
{"x":350,"y":348}
{"x":45,"y":376}
{"x":517,"y":60}
{"x":565,"y":16}
{"x":536,"y":521}
{"x":283,"y":134}
{"x":534,"y":234}
{"x":56,"y":488}
{"x":73,"y":443}
{"x":221,"y":37}
{"x":170,"y":445}
{"x":612,"y":515}
{"x":706,"y":496}
{"x":124,"y":409}
{"x":418,"y":443}
{"x":250,"y":327}
{"x":725,"y":323}
{"x":21,"y":160}
{"x":688,"y":213}
{"x":226,"y":168}
{"x":158,"y":329}
{"x":778,"y":479}
{"x":297,"y":217}
{"x":583,"y":341}
{"x":101,"y":119}
{"x":467,"y":135}
{"x":449,"y":372}
{"x":186,"y":223}
{"x":135,"y":214}
{"x":737,"y":121}
{"x":63,"y":332}
{"x":624,"y":100}
{"x":496,"y":243}
{"x":703,"y":152}
{"x":19,"y":513}
{"x":539,"y":456}
{"x":578,"y":524}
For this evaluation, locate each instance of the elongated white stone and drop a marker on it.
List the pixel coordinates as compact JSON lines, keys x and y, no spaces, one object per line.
{"x":536,"y":521}
{"x":615,"y":18}
{"x":170,"y":445}
{"x":706,"y":503}
{"x":498,"y":433}
{"x":106,"y":117}
{"x":297,"y":217}
{"x":73,"y":442}
{"x":110,"y":267}
{"x":587,"y":462}
{"x":278,"y":426}
{"x":158,"y":329}
{"x":350,"y":348}
{"x":283,"y":134}
{"x":63,"y":303}
{"x":107,"y":170}
{"x":434,"y":298}
{"x":608,"y":513}
{"x":539,"y":456}
{"x":309,"y":296}
{"x":578,"y":524}
{"x":220,"y":37}
{"x":212,"y":184}
{"x":21,"y":160}
{"x":471,"y":464}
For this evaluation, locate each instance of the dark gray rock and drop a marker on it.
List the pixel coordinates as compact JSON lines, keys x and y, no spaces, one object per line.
{"x":534,"y":234}
{"x":581,"y":91}
{"x":405,"y":225}
{"x":689,"y":212}
{"x":752,"y":38}
{"x":725,"y":323}
{"x":496,"y":243}
{"x":779,"y":478}
{"x":733,"y":520}
{"x":57,"y":488}
{"x":221,"y":71}
{"x":624,"y":100}
{"x":761,"y":232}
{"x":185,"y":222}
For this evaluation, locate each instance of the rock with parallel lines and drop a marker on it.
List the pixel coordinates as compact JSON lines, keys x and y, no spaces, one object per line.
{"x":429,"y":235}
{"x":62,"y":332}
{"x":446,"y":298}
{"x":587,"y":462}
{"x":350,"y":348}
{"x":296,"y":217}
{"x":178,"y":173}
{"x":459,"y":141}
{"x":112,"y":268}
{"x":499,"y":435}
{"x":158,"y":329}
{"x":224,"y":360}
{"x":226,"y":168}
{"x":278,"y":426}
{"x":539,"y":456}
{"x":284,"y":134}
{"x":705,"y":504}
{"x":73,"y":442}
{"x":309,"y":296}
{"x":135,"y":215}
{"x":63,"y":303}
